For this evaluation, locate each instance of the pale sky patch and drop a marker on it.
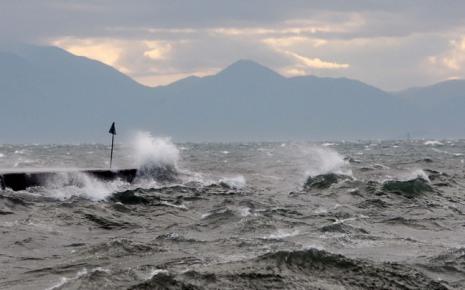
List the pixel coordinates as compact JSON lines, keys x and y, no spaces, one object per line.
{"x":285,"y":42}
{"x":294,"y":71}
{"x":105,"y":51}
{"x":166,"y":79}
{"x":316,"y":62}
{"x":454,"y":59}
{"x":392,"y":44}
{"x":450,"y":64}
{"x":157,"y":49}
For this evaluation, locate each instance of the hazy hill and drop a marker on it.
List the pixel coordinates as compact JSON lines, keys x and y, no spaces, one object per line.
{"x":49,"y":95}
{"x":249,"y":101}
{"x":441,"y":107}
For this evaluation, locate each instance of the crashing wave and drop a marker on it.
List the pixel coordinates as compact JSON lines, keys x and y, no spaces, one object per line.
{"x":409,"y":188}
{"x":156,"y":158}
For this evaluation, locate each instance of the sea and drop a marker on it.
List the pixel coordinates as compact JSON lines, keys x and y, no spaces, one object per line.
{"x":271,"y":215}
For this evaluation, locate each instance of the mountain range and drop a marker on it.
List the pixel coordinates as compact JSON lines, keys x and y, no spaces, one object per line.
{"x":49,"y":95}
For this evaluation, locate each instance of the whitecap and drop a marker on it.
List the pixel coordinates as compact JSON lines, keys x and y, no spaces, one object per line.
{"x":181,"y":206}
{"x":323,"y":160}
{"x":244,"y":211}
{"x":433,"y":143}
{"x":64,"y":280}
{"x":281,"y":234}
{"x":237,"y":182}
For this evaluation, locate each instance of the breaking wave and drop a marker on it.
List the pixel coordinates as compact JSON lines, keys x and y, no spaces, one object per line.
{"x":64,"y":185}
{"x":323,"y":160}
{"x":236,"y":182}
{"x":156,"y":158}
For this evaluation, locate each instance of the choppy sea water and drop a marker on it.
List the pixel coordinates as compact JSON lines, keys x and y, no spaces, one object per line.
{"x":376,"y":215}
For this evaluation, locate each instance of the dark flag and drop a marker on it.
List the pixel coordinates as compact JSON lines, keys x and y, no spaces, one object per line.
{"x":112,"y":129}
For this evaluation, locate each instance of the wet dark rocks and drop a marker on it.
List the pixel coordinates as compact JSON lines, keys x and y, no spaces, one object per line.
{"x":409,"y":188}
{"x":324,"y":181}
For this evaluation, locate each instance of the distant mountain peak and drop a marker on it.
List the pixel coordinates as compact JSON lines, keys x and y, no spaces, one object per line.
{"x":246,"y":68}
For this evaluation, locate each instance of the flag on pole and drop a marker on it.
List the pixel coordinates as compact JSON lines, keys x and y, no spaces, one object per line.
{"x":112,"y":129}
{"x":113,"y":133}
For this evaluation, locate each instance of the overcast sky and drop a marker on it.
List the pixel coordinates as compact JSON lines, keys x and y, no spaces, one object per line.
{"x":392,"y":44}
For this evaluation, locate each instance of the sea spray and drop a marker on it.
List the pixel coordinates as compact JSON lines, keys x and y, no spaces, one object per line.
{"x":317,"y":160}
{"x":414,"y":173}
{"x":64,"y":185}
{"x":156,"y":158}
{"x":235,"y":182}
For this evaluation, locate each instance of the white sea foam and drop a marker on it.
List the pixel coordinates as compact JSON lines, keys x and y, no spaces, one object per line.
{"x":281,"y":234}
{"x":323,"y":160}
{"x":67,"y":184}
{"x":64,"y":280}
{"x":237,"y":182}
{"x":314,"y":246}
{"x":409,"y":175}
{"x":321,"y":210}
{"x":244,"y":211}
{"x":181,"y":206}
{"x":433,"y":143}
{"x":149,"y":153}
{"x":415,"y":173}
{"x":440,"y":151}
{"x":155,"y":272}
{"x":149,"y":150}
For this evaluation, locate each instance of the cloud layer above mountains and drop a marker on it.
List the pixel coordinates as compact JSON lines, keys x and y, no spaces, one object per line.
{"x":392,"y":44}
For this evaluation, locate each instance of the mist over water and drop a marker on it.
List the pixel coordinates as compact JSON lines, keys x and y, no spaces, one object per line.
{"x":157,"y":152}
{"x":245,"y":215}
{"x":323,"y":160}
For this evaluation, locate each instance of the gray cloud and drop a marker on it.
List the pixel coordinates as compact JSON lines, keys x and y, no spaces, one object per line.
{"x":390,"y":43}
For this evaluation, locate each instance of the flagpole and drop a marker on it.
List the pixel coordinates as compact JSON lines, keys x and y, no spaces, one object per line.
{"x":113,"y":133}
{"x":111,"y":154}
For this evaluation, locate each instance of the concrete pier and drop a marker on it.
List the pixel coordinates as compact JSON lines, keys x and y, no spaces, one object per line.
{"x":22,"y":180}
